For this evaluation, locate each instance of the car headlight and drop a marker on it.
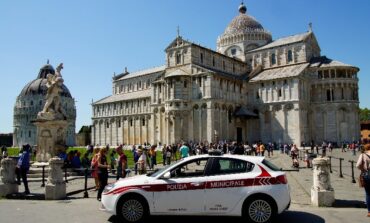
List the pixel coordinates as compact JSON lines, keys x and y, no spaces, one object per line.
{"x":108,"y":188}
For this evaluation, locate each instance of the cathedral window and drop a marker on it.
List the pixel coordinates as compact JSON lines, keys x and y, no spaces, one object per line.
{"x":178,"y":58}
{"x":262,"y":85}
{"x":144,"y":102}
{"x":342,"y":94}
{"x":143,"y":122}
{"x":279,"y":92}
{"x":233,"y":68}
{"x":233,"y":51}
{"x":290,"y":56}
{"x":223,"y":65}
{"x":285,"y":82}
{"x":273,"y":59}
{"x":119,"y":123}
{"x":200,"y":81}
{"x":107,"y":125}
{"x":257,"y":95}
{"x":319,"y":74}
{"x":131,"y":122}
{"x":31,"y":103}
{"x":201,"y":57}
{"x":160,"y":88}
{"x":213,"y":61}
{"x":185,"y":84}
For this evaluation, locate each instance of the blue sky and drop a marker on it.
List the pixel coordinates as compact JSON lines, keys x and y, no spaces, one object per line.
{"x":95,"y":38}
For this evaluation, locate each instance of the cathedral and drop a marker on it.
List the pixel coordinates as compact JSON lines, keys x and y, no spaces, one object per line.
{"x":252,"y":88}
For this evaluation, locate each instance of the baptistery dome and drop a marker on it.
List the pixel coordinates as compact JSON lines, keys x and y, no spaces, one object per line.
{"x":31,"y":101}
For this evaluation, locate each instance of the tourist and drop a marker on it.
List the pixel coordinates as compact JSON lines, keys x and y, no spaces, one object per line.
{"x":164,"y":157}
{"x":184,"y":151}
{"x":4,"y":152}
{"x":121,"y":163}
{"x":85,"y":162}
{"x":102,"y":171}
{"x":141,"y":163}
{"x":168,"y":154}
{"x":363,"y":164}
{"x":113,"y":160}
{"x":153,"y":157}
{"x":76,"y":161}
{"x":136,"y":157}
{"x":94,"y":167}
{"x":23,"y":167}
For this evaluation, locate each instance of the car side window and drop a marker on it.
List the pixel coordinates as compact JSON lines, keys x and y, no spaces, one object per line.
{"x":194,"y":168}
{"x":230,"y":166}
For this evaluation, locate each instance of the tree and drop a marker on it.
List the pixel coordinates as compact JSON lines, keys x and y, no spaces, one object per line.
{"x":364,"y":114}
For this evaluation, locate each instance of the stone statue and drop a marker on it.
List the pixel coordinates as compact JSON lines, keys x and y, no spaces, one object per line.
{"x":52,"y":109}
{"x":322,"y":193}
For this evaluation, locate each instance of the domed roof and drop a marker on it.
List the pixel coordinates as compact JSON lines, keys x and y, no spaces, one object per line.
{"x":243,"y":23}
{"x":38,"y":86}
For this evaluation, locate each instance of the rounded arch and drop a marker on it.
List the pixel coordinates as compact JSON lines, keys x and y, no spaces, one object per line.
{"x":195,"y":106}
{"x":204,"y":106}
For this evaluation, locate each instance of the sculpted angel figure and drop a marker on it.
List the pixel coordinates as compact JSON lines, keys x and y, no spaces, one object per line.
{"x":54,"y":85}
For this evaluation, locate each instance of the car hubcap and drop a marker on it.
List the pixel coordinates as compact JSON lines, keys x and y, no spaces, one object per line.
{"x":260,"y":211}
{"x":132,"y":210}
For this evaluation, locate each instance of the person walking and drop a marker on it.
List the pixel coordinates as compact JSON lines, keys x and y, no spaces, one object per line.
{"x":363,"y":164}
{"x":184,"y":151}
{"x":102,"y":171}
{"x":94,"y":167}
{"x":121,"y":163}
{"x":23,"y":167}
{"x":153,"y":157}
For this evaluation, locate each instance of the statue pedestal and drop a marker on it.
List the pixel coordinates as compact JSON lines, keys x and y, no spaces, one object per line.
{"x":51,"y":135}
{"x":322,"y":194}
{"x":322,"y":198}
{"x":55,"y":188}
{"x":8,"y":185}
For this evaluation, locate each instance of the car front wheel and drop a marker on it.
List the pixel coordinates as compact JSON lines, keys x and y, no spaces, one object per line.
{"x":259,"y":210}
{"x":132,"y":209}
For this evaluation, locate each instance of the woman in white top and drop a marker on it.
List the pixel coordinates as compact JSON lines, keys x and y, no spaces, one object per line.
{"x":363,"y":164}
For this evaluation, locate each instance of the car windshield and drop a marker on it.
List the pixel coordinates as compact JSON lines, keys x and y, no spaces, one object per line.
{"x":158,"y":172}
{"x":271,"y":165}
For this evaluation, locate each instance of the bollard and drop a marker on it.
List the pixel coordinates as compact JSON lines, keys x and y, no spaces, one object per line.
{"x":43,"y":176}
{"x":65,"y":174}
{"x":353,"y":172}
{"x":330,"y":164}
{"x":86,"y":195}
{"x":340,"y":167}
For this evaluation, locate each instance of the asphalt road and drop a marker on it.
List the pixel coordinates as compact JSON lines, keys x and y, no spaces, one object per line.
{"x":81,"y":210}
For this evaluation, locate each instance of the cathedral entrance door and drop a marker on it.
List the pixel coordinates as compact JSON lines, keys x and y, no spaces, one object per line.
{"x":239,"y":135}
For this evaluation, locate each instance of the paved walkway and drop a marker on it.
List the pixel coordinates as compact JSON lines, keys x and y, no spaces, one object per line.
{"x":349,"y":206}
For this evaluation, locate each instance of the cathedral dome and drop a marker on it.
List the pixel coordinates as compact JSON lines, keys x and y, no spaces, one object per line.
{"x":242,"y":23}
{"x":38,"y":86}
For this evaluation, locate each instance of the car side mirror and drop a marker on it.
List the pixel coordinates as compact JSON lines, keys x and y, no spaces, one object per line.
{"x":167,"y":175}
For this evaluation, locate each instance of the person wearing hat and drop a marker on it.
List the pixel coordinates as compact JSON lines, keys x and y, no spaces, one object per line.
{"x":363,"y":164}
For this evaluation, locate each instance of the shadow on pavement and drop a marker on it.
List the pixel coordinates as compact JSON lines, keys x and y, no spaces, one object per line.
{"x":299,"y":216}
{"x":23,"y":196}
{"x":349,"y":204}
{"x":286,"y":217}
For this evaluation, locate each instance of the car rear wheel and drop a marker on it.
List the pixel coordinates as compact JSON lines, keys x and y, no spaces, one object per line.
{"x":259,"y":210}
{"x":132,"y":209}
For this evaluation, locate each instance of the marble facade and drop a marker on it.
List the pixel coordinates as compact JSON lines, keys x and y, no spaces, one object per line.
{"x":251,"y":88}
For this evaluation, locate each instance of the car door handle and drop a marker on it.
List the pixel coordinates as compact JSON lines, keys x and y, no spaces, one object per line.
{"x":197,"y":184}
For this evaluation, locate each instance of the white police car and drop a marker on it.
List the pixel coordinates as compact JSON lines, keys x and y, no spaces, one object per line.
{"x":227,"y":185}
